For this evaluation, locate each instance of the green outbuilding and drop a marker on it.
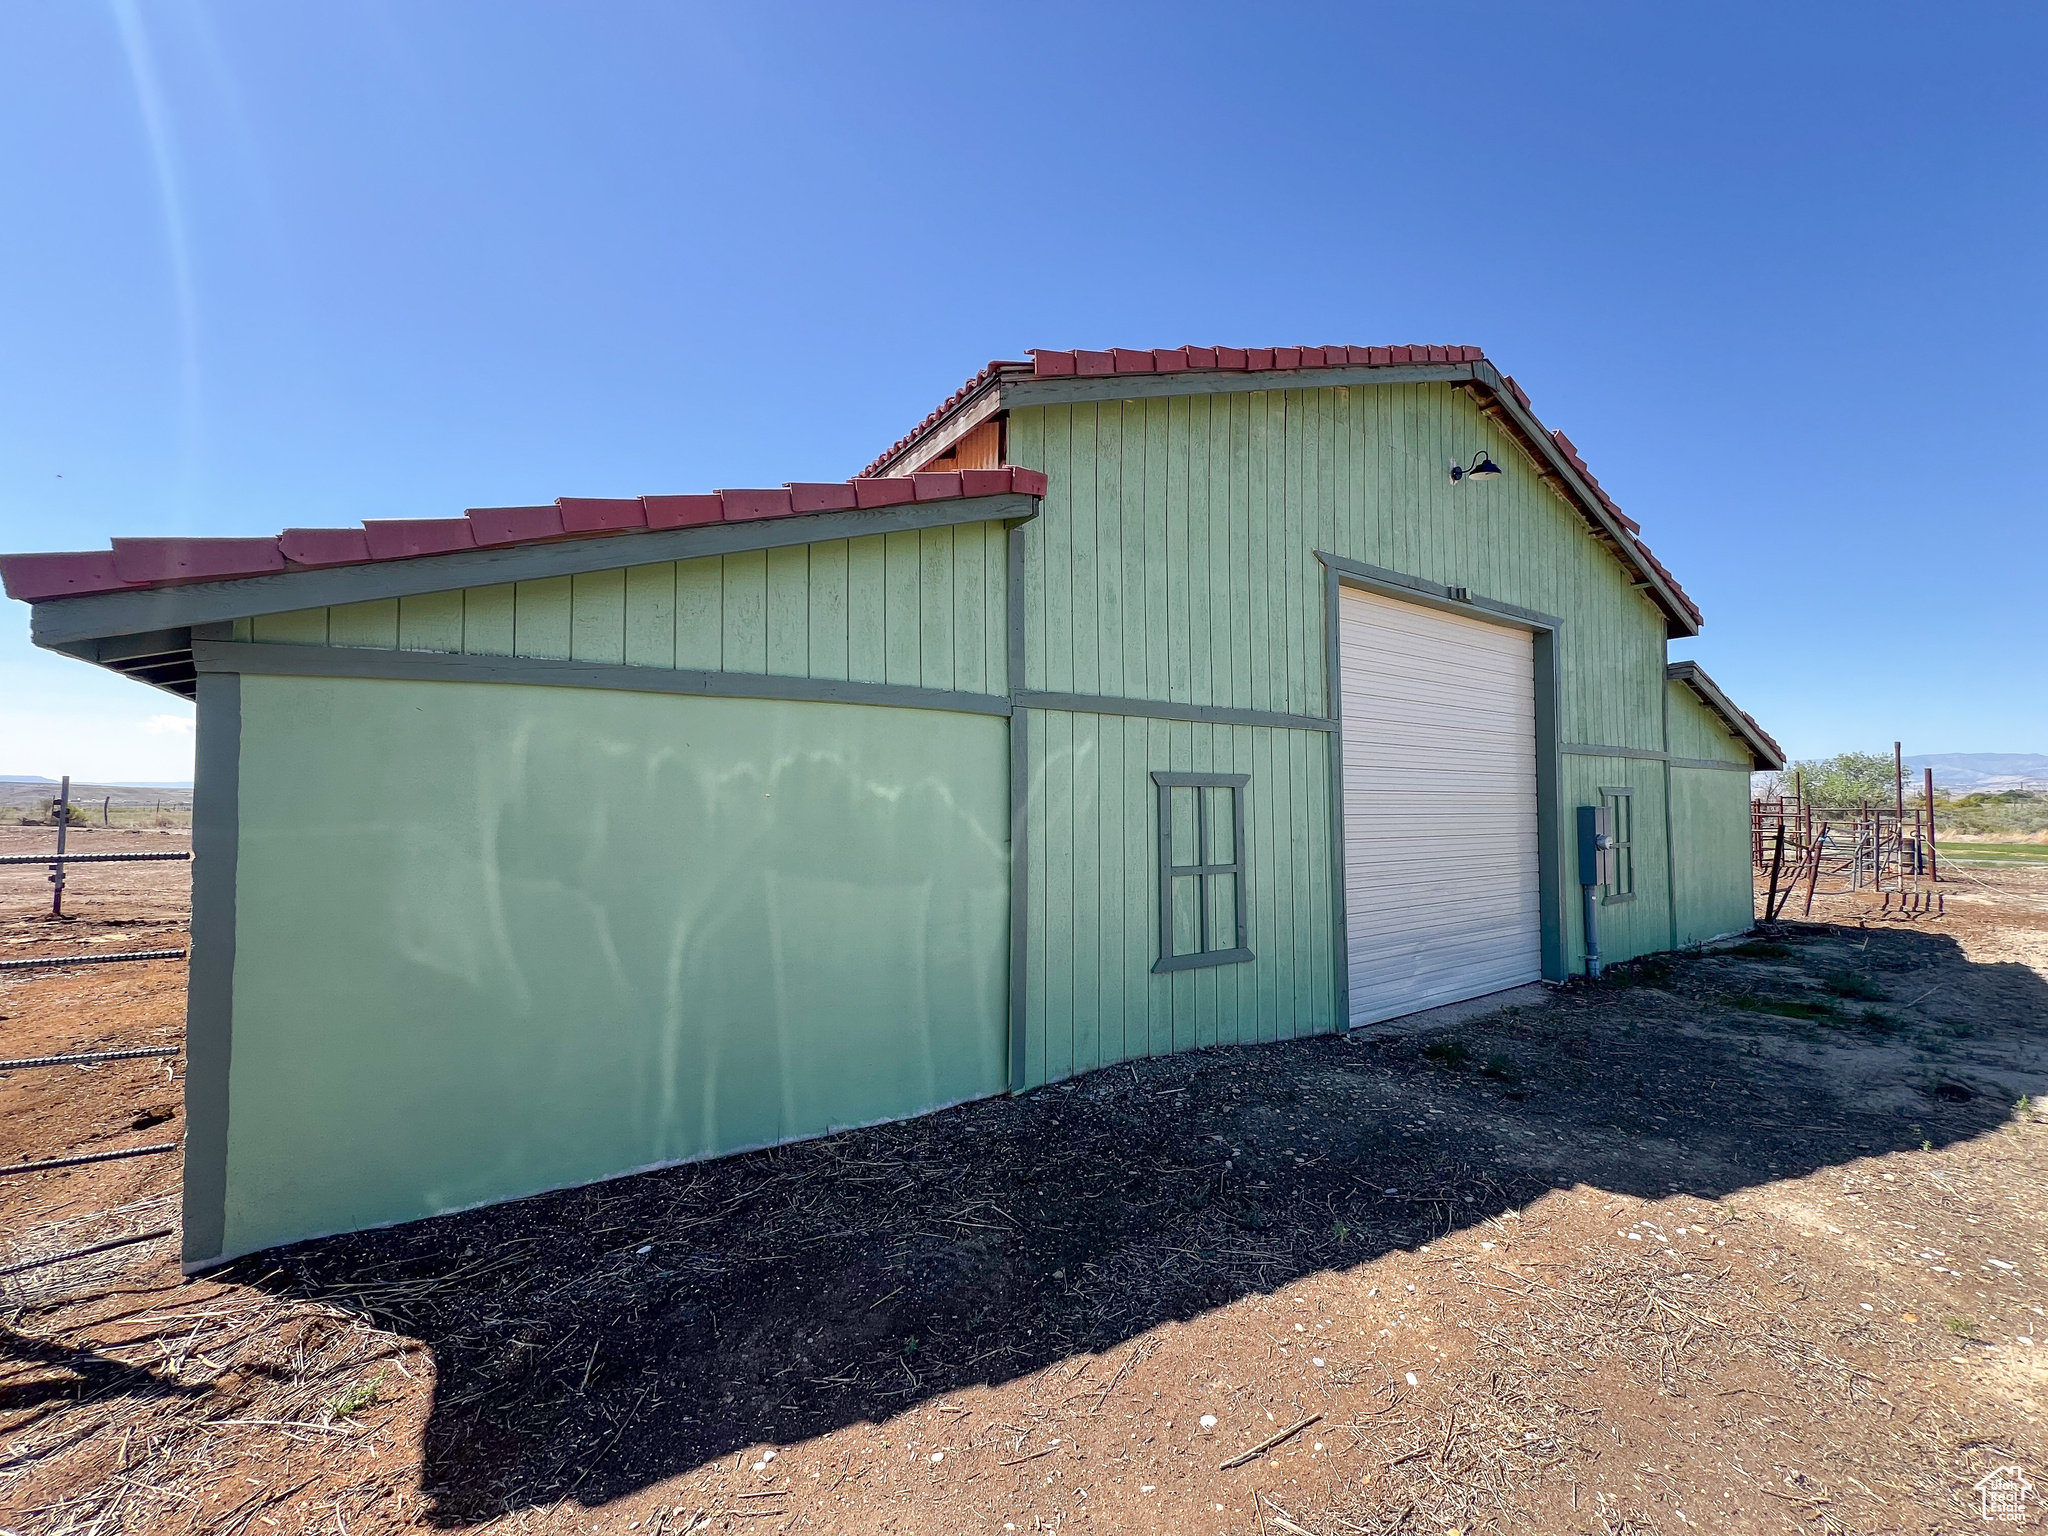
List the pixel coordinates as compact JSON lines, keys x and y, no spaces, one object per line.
{"x":1136,"y":702}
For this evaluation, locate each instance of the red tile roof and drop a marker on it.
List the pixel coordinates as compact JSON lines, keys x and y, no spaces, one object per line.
{"x":1081,"y":363}
{"x":1085,"y":364}
{"x":136,"y":564}
{"x":946,"y":407}
{"x":143,"y":563}
{"x":1766,"y":735}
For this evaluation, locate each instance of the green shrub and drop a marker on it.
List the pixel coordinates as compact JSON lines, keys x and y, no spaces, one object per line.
{"x":1785,"y":1010}
{"x":1761,"y":949}
{"x":354,"y":1398}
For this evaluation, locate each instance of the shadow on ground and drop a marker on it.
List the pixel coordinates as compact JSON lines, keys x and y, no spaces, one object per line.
{"x":85,"y":1373}
{"x":594,"y":1341}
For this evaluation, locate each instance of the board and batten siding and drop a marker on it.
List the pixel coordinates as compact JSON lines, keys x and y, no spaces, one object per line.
{"x":921,"y":609}
{"x":1641,"y":926}
{"x":1699,"y":732}
{"x":1711,"y":880}
{"x":1093,"y":907}
{"x":1174,"y":559}
{"x":1174,"y":554}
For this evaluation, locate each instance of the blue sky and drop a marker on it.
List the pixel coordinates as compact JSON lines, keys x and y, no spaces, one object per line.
{"x":1776,"y":269}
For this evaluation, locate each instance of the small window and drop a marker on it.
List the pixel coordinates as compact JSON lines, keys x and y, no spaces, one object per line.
{"x":1621,"y":818}
{"x":1202,"y":889}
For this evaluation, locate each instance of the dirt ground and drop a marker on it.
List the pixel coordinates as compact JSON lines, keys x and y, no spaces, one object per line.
{"x":1743,"y":1241}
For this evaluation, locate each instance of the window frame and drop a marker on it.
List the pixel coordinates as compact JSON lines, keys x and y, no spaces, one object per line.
{"x":1620,"y":803}
{"x":1239,"y":870}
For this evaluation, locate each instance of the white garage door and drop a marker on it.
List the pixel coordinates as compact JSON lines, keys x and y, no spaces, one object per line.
{"x":1440,"y":869}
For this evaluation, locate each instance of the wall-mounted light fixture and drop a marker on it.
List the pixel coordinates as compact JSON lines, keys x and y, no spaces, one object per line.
{"x":1481,"y":468}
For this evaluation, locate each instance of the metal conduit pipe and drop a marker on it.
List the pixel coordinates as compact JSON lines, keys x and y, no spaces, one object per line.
{"x":1596,"y":868}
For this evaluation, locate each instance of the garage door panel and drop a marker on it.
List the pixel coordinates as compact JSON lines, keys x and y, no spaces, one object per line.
{"x":1401,"y":908}
{"x":1421,"y":972}
{"x":1421,"y":720}
{"x":1401,"y":794}
{"x":1424,"y":830}
{"x":1387,"y":925}
{"x":1473,"y":940}
{"x":1418,"y":865}
{"x":1428,"y":664}
{"x":1482,"y":677}
{"x":1419,"y":703}
{"x":1442,"y":892}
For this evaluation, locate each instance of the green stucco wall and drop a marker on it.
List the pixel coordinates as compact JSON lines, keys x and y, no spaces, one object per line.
{"x":493,"y":939}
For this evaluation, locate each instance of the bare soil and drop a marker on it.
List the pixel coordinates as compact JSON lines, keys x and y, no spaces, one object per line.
{"x":1741,"y":1241}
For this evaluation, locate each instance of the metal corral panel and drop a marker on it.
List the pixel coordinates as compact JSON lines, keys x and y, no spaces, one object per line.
{"x":1440,"y":849}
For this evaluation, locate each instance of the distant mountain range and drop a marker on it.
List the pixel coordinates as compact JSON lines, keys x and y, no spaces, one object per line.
{"x":1984,"y":770}
{"x":27,"y":791}
{"x":37,"y":778}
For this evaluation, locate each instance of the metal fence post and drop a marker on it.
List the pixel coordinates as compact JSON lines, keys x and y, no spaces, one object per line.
{"x":57,"y":869}
{"x":1933,"y":858}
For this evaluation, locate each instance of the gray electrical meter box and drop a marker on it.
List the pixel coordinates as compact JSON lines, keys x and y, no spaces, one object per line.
{"x":1596,"y":847}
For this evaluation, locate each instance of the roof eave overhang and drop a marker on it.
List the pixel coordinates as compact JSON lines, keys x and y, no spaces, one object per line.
{"x":1499,"y":404}
{"x":82,"y":624}
{"x":1010,"y":389}
{"x":1765,"y":754}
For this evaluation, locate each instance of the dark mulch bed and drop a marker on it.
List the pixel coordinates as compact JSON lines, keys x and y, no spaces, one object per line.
{"x":777,"y":1296}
